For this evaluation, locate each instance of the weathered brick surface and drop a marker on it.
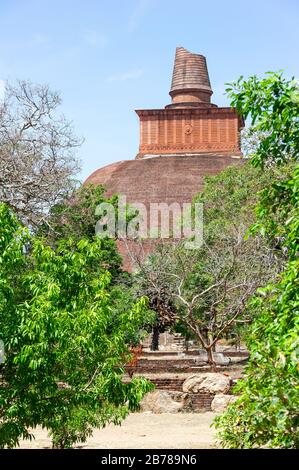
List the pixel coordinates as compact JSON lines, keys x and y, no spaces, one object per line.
{"x":167,"y":179}
{"x":168,"y":383}
{"x":195,"y":401}
{"x":193,"y":130}
{"x":201,"y":402}
{"x":190,"y":72}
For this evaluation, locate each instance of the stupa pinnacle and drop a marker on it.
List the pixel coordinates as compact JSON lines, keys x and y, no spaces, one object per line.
{"x":190,"y":124}
{"x":190,"y":84}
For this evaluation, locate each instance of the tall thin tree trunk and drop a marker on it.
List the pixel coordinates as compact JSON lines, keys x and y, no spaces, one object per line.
{"x":211,"y":339}
{"x":155,"y":338}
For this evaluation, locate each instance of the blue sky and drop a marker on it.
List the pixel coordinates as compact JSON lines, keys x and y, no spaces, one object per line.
{"x":108,"y":58}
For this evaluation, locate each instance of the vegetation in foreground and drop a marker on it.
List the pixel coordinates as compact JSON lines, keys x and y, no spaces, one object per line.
{"x":266,"y":414}
{"x":67,"y":333}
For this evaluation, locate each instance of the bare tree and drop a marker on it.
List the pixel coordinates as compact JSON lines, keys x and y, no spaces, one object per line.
{"x":209,"y":288}
{"x":37,"y":151}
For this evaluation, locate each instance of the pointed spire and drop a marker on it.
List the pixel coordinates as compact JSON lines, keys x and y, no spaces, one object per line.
{"x":190,"y":80}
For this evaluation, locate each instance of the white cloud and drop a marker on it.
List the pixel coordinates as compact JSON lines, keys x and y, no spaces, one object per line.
{"x":2,"y":90}
{"x":95,"y":39}
{"x":122,"y":77}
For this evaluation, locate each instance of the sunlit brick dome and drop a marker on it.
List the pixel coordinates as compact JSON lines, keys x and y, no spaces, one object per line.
{"x":160,"y":179}
{"x":171,"y":179}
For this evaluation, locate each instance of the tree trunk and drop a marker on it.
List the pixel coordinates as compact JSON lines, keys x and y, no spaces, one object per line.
{"x":58,"y":444}
{"x":210,"y":340}
{"x":211,"y":359}
{"x":155,"y":338}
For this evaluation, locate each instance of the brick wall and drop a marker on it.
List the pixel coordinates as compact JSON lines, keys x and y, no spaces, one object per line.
{"x":189,"y":130}
{"x":201,"y":401}
{"x":194,"y":402}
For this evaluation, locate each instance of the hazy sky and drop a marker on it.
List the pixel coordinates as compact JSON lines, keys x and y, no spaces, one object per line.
{"x":108,"y":58}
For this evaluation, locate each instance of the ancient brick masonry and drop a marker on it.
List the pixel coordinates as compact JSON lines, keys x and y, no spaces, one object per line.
{"x":190,"y":80}
{"x":189,"y":130}
{"x":191,"y":123}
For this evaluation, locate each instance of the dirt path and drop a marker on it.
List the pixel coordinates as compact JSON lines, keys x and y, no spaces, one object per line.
{"x":147,"y":430}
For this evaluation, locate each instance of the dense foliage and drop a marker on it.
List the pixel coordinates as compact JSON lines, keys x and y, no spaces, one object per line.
{"x":272,"y":105}
{"x":76,"y":217}
{"x":266,"y":413}
{"x":66,"y":333}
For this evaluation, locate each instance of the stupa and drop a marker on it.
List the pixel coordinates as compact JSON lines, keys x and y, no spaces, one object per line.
{"x":179,"y":145}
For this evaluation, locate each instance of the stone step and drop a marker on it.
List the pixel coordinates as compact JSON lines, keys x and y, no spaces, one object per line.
{"x":167,"y":365}
{"x":176,"y":364}
{"x":234,"y":353}
{"x":172,"y":383}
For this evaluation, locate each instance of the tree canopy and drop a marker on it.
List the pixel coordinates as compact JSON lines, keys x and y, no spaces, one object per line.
{"x":67,"y":334}
{"x":266,"y":413}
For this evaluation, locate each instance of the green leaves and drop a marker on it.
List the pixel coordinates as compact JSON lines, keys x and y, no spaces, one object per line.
{"x":75,"y":218}
{"x":268,"y":406}
{"x":271,"y":104}
{"x":67,"y":332}
{"x":266,"y":414}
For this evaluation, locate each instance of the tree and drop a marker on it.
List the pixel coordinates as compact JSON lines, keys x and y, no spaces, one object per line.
{"x":272,"y":105}
{"x":75,"y":217}
{"x":67,"y":335}
{"x":266,"y":413}
{"x":37,"y":151}
{"x":151,"y":282}
{"x":207,"y":289}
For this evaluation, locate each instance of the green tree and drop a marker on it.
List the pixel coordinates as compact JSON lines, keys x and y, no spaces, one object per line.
{"x":272,"y":104}
{"x":266,"y":413}
{"x":75,"y":217}
{"x":66,"y":333}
